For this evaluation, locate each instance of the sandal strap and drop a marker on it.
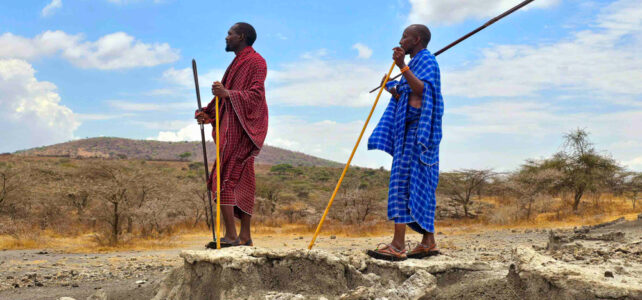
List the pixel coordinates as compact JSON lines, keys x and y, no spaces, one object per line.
{"x":391,"y":249}
{"x":423,"y":248}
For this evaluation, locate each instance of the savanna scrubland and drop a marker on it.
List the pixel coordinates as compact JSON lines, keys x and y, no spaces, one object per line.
{"x":104,"y":203}
{"x":113,"y":227}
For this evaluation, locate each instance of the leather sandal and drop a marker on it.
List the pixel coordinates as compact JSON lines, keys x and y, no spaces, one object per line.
{"x":387,"y":252}
{"x":421,"y":251}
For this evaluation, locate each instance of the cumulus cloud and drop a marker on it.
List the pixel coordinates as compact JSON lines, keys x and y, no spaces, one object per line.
{"x":191,"y":132}
{"x":324,"y":82}
{"x":603,"y":60}
{"x":113,"y":51}
{"x":146,"y":106}
{"x":184,"y":78}
{"x":52,"y":7}
{"x":30,"y":110}
{"x":448,"y":12}
{"x":364,"y":51}
{"x":535,"y":128}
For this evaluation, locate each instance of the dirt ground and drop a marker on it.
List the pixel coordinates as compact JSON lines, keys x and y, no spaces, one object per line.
{"x":50,"y":274}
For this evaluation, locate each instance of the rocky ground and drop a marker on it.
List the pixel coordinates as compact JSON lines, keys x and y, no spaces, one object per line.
{"x":599,"y":262}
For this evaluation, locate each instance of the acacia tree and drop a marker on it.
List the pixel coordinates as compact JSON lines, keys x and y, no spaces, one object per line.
{"x":632,"y":187}
{"x":584,"y":170}
{"x":114,"y":186}
{"x":461,"y":185}
{"x":532,"y":182}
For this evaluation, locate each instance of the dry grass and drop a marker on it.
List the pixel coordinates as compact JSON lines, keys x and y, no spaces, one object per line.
{"x":608,"y":209}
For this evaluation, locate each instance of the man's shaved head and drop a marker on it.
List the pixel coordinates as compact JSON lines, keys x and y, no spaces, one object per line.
{"x":246,"y":30}
{"x":422,"y":32}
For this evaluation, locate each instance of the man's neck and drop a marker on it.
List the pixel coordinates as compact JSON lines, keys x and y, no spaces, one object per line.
{"x":414,"y":51}
{"x":241,"y":48}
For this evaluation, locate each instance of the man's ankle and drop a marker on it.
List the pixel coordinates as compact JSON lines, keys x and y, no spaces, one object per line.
{"x":399,"y":246}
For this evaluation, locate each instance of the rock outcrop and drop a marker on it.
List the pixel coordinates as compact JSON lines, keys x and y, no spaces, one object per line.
{"x":256,"y":273}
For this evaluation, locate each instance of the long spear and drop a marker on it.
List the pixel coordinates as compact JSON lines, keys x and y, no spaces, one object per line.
{"x":345,"y":169}
{"x":207,"y":172}
{"x":493,"y":20}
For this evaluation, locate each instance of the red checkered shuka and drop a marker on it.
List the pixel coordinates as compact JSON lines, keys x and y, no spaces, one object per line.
{"x":243,"y":127}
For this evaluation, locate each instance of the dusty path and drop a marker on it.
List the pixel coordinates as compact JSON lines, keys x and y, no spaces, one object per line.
{"x":45,"y":274}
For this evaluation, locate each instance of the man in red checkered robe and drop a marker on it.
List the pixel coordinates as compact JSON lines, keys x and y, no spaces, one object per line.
{"x":243,"y":125}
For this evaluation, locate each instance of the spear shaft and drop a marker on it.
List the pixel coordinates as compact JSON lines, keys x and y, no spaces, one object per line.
{"x":493,"y":20}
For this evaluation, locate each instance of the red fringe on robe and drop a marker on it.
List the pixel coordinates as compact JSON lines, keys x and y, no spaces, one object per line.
{"x":244,"y":123}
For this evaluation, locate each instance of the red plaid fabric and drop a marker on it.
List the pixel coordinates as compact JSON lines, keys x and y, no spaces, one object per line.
{"x":244,"y":122}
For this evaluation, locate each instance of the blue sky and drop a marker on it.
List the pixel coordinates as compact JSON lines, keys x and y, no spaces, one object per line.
{"x":75,"y":69}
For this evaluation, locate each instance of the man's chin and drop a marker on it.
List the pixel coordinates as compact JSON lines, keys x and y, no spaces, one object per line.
{"x":228,"y":49}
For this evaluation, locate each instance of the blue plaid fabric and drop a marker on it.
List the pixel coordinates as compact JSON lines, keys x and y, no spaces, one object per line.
{"x":412,"y":137}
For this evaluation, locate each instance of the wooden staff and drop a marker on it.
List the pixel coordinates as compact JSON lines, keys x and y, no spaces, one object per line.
{"x":207,"y":172}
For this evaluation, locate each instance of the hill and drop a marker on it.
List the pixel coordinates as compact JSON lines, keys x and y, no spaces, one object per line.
{"x":109,"y":147}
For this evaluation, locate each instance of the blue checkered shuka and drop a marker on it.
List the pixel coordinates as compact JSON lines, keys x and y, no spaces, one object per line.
{"x":412,"y":135}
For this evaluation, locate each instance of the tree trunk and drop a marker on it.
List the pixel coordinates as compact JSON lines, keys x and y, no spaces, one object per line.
{"x":115,"y":227}
{"x":577,"y":198}
{"x":130,"y":224}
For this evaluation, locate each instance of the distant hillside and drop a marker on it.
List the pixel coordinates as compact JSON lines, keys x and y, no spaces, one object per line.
{"x":109,"y":147}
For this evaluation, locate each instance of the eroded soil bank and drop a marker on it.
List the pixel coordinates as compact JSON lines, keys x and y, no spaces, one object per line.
{"x":599,"y":262}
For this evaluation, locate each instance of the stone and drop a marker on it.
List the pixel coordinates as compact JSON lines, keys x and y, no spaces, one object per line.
{"x":543,"y":276}
{"x":98,"y":295}
{"x":608,"y":274}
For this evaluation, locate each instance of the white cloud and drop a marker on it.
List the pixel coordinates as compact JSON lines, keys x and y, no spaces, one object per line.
{"x":519,"y":130}
{"x":635,"y":163}
{"x":317,"y":54}
{"x":191,"y":132}
{"x":156,"y":106}
{"x":51,"y":8}
{"x":364,"y":51}
{"x":101,"y":117}
{"x":182,"y":82}
{"x":604,"y":60}
{"x":448,"y":12}
{"x":185,"y":78}
{"x":113,"y":51}
{"x":164,"y":125}
{"x":324,"y":82}
{"x":30,"y":110}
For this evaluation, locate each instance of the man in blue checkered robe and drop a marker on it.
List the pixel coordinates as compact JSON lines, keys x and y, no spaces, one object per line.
{"x":410,"y":131}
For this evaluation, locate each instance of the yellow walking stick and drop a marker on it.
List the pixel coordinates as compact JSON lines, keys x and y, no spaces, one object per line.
{"x":345,"y":169}
{"x":218,"y":180}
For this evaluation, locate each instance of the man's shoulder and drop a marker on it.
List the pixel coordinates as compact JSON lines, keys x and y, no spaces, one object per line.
{"x":256,"y":58}
{"x":425,"y":56}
